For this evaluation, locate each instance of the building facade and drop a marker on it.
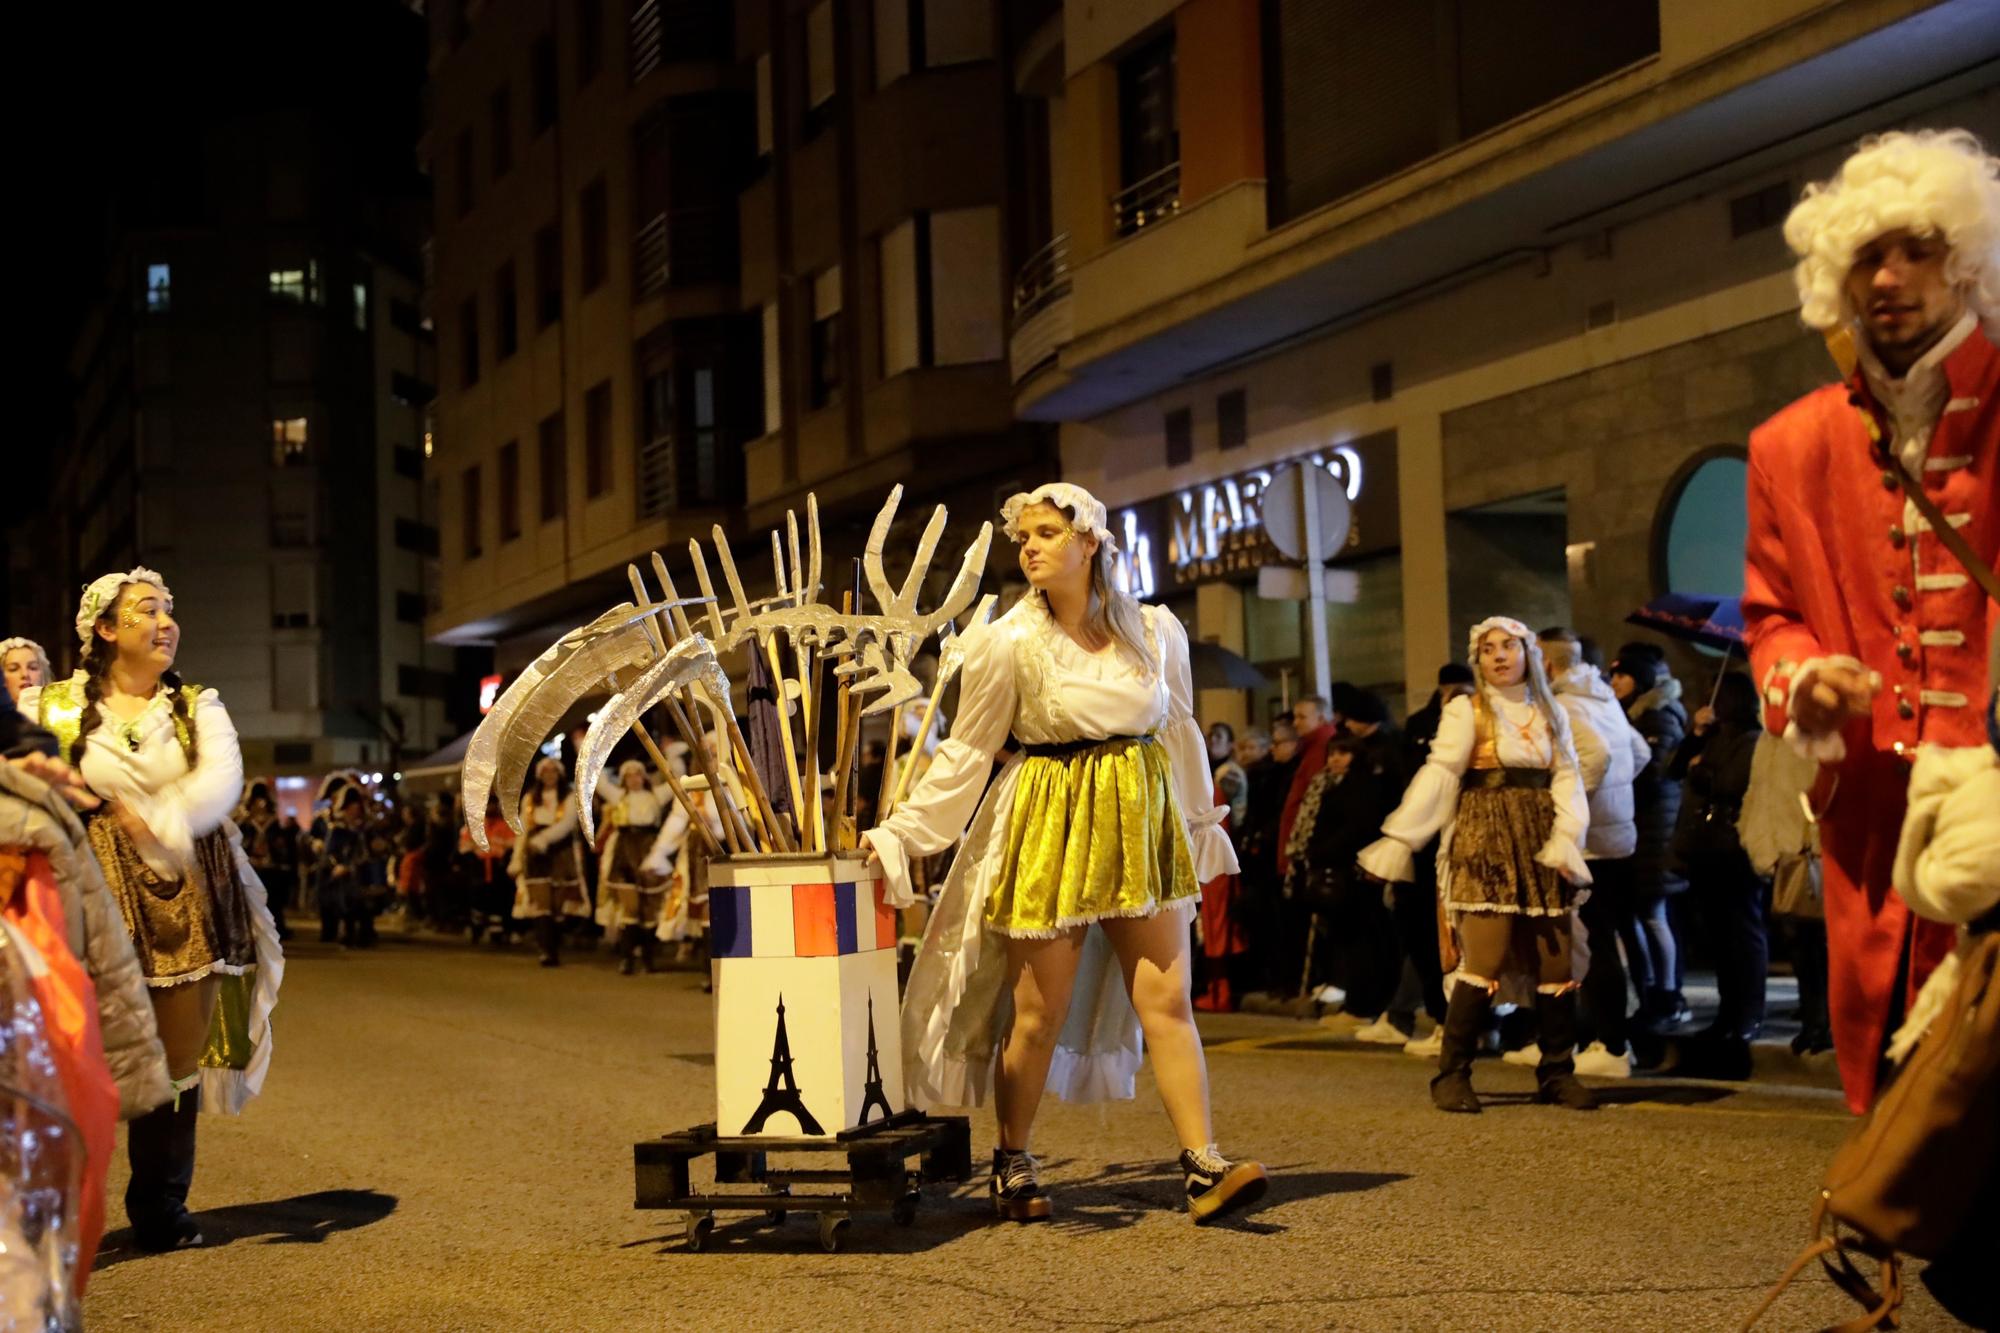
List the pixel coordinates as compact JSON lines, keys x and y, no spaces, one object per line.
{"x":248,"y":411}
{"x":694,"y":262}
{"x":1517,"y":283}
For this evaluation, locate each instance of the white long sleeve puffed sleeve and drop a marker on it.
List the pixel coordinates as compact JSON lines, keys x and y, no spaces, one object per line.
{"x":564,"y":825}
{"x":197,"y":802}
{"x":1563,"y":851}
{"x":936,"y":812}
{"x":1429,"y":802}
{"x":1187,"y":755}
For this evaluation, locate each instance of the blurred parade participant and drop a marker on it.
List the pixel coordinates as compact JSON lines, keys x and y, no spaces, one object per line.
{"x":1502,"y":785}
{"x":629,"y":905}
{"x":23,"y":665}
{"x":491,"y":876}
{"x":273,"y":852}
{"x":1072,"y":893}
{"x":676,"y":861}
{"x":548,"y":860}
{"x":163,"y":756}
{"x":346,"y":868}
{"x":1868,"y":634}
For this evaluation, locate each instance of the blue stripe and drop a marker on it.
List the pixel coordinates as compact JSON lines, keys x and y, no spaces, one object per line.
{"x":729,"y":922}
{"x":848,"y":937}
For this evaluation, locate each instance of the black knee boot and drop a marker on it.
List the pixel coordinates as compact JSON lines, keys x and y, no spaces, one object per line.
{"x":1555,"y":1076}
{"x":648,"y":942}
{"x":1464,"y":1019}
{"x":628,"y":950}
{"x":548,"y":935}
{"x":160,"y":1146}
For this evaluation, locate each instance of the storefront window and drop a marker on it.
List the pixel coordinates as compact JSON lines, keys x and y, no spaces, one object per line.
{"x":1703,"y":523}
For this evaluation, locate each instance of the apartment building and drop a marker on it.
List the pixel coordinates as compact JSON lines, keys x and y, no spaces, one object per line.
{"x":1513,"y":275}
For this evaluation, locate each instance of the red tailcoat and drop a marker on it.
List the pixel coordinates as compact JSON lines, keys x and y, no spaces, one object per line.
{"x":1837,"y":566}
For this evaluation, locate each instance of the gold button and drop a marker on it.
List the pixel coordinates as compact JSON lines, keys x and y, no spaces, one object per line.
{"x":1905,"y":709}
{"x":1902,"y":595}
{"x":1900,"y":748}
{"x":1896,"y":536}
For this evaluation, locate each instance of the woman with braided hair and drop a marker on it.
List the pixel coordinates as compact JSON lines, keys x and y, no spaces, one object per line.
{"x":163,"y":757}
{"x":1503,"y":786}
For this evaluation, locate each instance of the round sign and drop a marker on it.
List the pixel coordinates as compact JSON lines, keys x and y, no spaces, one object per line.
{"x":1285,"y":516}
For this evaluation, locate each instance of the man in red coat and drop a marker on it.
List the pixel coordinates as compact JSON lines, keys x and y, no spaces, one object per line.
{"x":1867,"y":636}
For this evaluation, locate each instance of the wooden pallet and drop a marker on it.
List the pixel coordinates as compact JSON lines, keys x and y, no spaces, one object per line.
{"x":877,"y":1177}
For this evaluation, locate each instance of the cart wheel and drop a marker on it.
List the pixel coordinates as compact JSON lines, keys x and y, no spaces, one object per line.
{"x":700,"y":1227}
{"x":833,"y":1231}
{"x":776,"y":1216}
{"x":904,"y":1213}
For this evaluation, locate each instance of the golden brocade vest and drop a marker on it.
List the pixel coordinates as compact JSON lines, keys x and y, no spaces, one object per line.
{"x":62,"y":705}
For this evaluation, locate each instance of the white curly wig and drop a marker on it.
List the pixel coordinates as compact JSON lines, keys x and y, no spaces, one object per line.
{"x":1932,"y":182}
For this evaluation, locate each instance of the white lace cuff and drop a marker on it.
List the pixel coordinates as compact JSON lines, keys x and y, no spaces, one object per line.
{"x":1214,"y":853}
{"x":1561,"y":854}
{"x":897,"y":888}
{"x":1386,"y":858}
{"x":1829,"y":748}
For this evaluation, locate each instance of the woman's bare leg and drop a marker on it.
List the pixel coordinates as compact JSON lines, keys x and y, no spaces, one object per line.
{"x":1043,"y":971}
{"x":1153,"y":952}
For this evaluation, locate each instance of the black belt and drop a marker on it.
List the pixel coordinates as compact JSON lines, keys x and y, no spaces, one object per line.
{"x":1538,"y":778}
{"x":1068,"y":749}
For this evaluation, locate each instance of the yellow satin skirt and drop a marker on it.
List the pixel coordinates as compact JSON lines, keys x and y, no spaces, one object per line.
{"x":1092,"y":834}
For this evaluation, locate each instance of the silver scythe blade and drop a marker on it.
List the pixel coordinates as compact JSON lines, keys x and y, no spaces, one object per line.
{"x":682,"y":665}
{"x":578,"y":662}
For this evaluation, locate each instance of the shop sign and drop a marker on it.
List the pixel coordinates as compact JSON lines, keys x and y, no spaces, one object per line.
{"x":1215,"y":531}
{"x":489,"y":690}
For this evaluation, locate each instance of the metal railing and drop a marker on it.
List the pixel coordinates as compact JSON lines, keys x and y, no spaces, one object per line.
{"x":677,"y":30}
{"x":648,"y":44}
{"x":1043,"y":279}
{"x":1147,"y":201}
{"x":650,"y":262}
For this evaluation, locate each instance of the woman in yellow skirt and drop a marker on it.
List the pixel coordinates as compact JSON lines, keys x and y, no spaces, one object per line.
{"x":1059,"y":948}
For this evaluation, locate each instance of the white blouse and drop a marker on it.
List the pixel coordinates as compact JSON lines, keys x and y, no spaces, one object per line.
{"x":551,"y":822}
{"x":140,"y":764}
{"x":1023,"y":674}
{"x":643,"y":808}
{"x":1523,"y":739}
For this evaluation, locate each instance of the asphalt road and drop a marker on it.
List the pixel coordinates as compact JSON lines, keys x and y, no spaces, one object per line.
{"x":445,"y":1143}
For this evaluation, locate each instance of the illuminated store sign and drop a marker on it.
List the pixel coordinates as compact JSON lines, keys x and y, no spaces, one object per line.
{"x":1215,"y":531}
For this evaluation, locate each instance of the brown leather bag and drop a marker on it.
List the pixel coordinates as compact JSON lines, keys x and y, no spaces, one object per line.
{"x":1910,"y":1175}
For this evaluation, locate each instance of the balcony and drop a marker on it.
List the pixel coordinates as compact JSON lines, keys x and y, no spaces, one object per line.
{"x":1147,"y":202}
{"x":1043,"y":316}
{"x":676,"y":30}
{"x":684,"y":247}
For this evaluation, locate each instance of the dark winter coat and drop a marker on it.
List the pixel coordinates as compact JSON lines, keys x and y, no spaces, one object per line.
{"x":1656,"y":792}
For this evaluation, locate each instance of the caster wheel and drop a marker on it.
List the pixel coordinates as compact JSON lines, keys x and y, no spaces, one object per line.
{"x":700,"y":1228}
{"x":833,"y":1229}
{"x":904,"y":1214}
{"x":775,"y":1218}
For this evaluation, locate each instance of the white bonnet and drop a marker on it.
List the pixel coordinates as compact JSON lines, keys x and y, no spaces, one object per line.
{"x":1511,"y":626}
{"x":1091,"y":518}
{"x":104,"y":592}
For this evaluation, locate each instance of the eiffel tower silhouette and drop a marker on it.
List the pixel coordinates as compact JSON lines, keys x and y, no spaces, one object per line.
{"x":874,"y":1097}
{"x":786,"y":1098}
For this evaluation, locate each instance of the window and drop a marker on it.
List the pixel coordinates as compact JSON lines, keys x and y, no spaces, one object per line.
{"x":820,"y":85}
{"x":552,"y":466}
{"x":294,"y":678}
{"x":502,"y":118}
{"x":422,"y":682}
{"x":410,"y":607}
{"x":548,"y":276}
{"x":542,"y":78}
{"x":774,"y":378}
{"x":404,"y":317}
{"x":159,"y":288}
{"x":468,"y":342}
{"x":1149,"y":139}
{"x":421,"y":538}
{"x":1180,"y":436}
{"x":1759,"y":209}
{"x":291,"y":517}
{"x":361,"y":307}
{"x":589,"y":40}
{"x":469,"y":510}
{"x":1232,"y":419}
{"x":766,"y":120}
{"x":940,"y":305}
{"x":1702,"y":511}
{"x":409,"y":463}
{"x":292,"y":599}
{"x":409,"y":390}
{"x":289,"y":442}
{"x":299,"y":285}
{"x":506,"y":313}
{"x":824,"y":385}
{"x":597,"y":439}
{"x":925,"y":34}
{"x":593,"y":217}
{"x":510,"y":490}
{"x":463,"y":166}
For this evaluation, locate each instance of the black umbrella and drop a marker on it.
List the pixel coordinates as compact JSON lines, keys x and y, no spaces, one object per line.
{"x":1216,"y":668}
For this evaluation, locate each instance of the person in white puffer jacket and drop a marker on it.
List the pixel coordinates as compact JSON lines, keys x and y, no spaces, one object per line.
{"x":1610,"y":752}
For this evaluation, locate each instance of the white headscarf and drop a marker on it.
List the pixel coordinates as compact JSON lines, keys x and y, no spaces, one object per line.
{"x":1090,"y":516}
{"x":104,"y":592}
{"x":41,"y":658}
